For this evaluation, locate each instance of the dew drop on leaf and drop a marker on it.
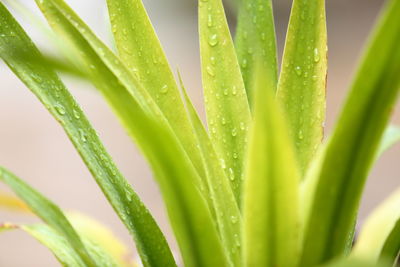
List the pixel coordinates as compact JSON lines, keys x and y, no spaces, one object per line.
{"x":298,"y":70}
{"x":164,"y":89}
{"x":234,"y":219}
{"x":234,"y":132}
{"x":316,"y":55}
{"x":213,"y":39}
{"x":60,"y":109}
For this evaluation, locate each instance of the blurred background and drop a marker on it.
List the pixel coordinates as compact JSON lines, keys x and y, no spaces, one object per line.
{"x":34,"y":146}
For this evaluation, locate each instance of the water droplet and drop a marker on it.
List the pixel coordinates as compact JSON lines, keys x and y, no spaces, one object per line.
{"x":298,"y":70}
{"x":244,"y":63}
{"x":234,"y":219}
{"x":234,"y":132}
{"x":300,"y":135}
{"x":316,"y":55}
{"x":234,"y":90}
{"x":76,"y":114}
{"x":60,"y":109}
{"x":82,"y":135}
{"x":212,"y":59}
{"x":223,"y":121}
{"x":210,"y":71}
{"x":242,"y":126}
{"x":213,"y":39}
{"x":263,"y":36}
{"x":164,"y":89}
{"x":226,"y":91}
{"x":223,"y":164}
{"x":209,"y":21}
{"x":36,"y":78}
{"x":235,"y":155}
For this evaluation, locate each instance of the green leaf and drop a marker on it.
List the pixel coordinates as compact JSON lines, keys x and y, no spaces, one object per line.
{"x":355,"y":262}
{"x":101,"y":236}
{"x":389,"y":139}
{"x":49,"y":213}
{"x":334,"y":185}
{"x":133,"y":31}
{"x":60,"y":247}
{"x":255,"y":40}
{"x":45,"y":84}
{"x":271,"y":221}
{"x":228,"y":215}
{"x":380,"y":235}
{"x":302,"y":82}
{"x":140,"y":50}
{"x":177,"y":177}
{"x":227,"y":108}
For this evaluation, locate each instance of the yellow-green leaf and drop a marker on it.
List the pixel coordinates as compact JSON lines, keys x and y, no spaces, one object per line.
{"x":255,"y":41}
{"x":271,"y":232}
{"x":46,"y":85}
{"x":49,"y":213}
{"x":334,"y":185}
{"x":140,"y":50}
{"x":227,"y":213}
{"x":227,"y":108}
{"x":380,"y":235}
{"x":302,"y":82}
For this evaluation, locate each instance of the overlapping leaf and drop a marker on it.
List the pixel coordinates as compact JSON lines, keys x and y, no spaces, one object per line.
{"x":302,"y":81}
{"x":380,"y":234}
{"x":228,"y":113}
{"x":49,"y":213}
{"x":228,"y":217}
{"x":271,"y":232}
{"x":177,"y":177}
{"x":333,"y":188}
{"x":256,"y":42}
{"x":140,"y":50}
{"x":45,"y":84}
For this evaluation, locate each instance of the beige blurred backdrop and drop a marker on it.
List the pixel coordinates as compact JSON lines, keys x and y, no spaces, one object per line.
{"x":34,"y":146}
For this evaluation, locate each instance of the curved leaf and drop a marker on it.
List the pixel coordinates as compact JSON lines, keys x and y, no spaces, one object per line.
{"x":100,"y":236}
{"x":12,"y":203}
{"x":335,"y":184}
{"x":380,"y":235}
{"x":389,"y":139}
{"x":255,"y":40}
{"x":45,"y":84}
{"x":227,"y":108}
{"x":140,"y":50}
{"x":49,"y":213}
{"x":60,"y":247}
{"x":177,"y":177}
{"x":271,"y":236}
{"x":302,"y":81}
{"x":228,"y":215}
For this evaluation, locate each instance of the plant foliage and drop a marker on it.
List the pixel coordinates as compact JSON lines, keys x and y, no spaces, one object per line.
{"x":259,"y":186}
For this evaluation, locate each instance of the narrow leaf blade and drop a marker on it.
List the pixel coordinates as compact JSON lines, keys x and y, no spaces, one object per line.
{"x":302,"y":81}
{"x":255,"y":40}
{"x":140,"y":50}
{"x":271,"y":191}
{"x":227,"y":108}
{"x":45,"y":84}
{"x":49,"y":213}
{"x":228,"y":216}
{"x":335,"y":184}
{"x":188,"y":211}
{"x":390,"y":138}
{"x":380,"y":235}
